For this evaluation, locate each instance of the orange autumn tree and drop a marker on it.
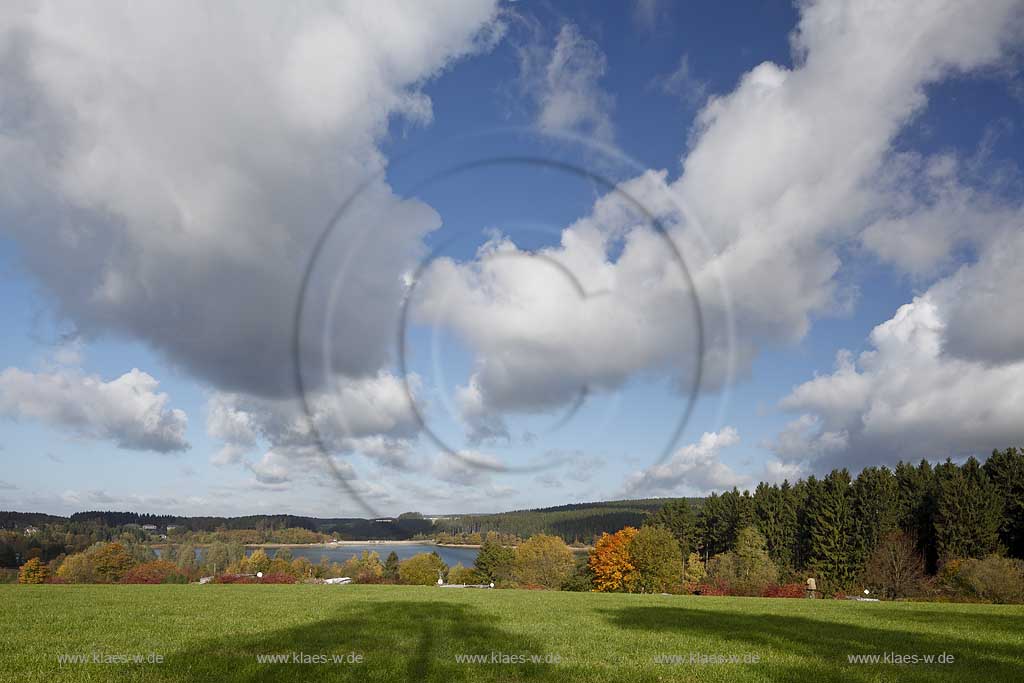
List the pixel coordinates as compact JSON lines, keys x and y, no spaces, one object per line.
{"x":610,"y":561}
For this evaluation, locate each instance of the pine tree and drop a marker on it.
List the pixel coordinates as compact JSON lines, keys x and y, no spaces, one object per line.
{"x":1005,"y":469}
{"x":494,"y":561}
{"x":804,"y":491}
{"x":677,"y":516}
{"x":789,"y":526}
{"x":916,"y":492}
{"x":874,"y":509}
{"x":830,"y":518}
{"x":968,"y":514}
{"x":775,"y":518}
{"x":391,"y":566}
{"x":721,"y":518}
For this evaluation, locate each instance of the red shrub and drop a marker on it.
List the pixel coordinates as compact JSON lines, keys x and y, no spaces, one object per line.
{"x":153,"y":572}
{"x":277,"y":578}
{"x":787,"y":590}
{"x":53,"y":578}
{"x":235,"y":578}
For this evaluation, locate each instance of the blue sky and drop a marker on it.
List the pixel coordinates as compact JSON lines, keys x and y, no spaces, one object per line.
{"x":843,"y":184}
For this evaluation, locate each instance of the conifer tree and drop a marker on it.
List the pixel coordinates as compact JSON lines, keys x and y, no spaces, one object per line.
{"x":874,"y":509}
{"x":721,"y":518}
{"x":775,"y":518}
{"x":677,"y":516}
{"x":916,"y":490}
{"x":391,"y":566}
{"x":830,"y":531}
{"x":968,"y":512}
{"x":1005,"y":469}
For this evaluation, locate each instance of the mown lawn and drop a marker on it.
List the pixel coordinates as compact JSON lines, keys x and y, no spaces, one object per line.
{"x":214,"y":633}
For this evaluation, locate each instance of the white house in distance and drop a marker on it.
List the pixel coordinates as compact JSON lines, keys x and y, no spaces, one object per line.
{"x":31,"y":530}
{"x":149,"y":527}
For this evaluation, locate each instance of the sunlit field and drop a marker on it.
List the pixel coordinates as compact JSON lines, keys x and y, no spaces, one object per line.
{"x":393,"y":633}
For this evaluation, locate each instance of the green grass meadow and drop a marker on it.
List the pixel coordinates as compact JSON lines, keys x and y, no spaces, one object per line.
{"x":405,"y":633}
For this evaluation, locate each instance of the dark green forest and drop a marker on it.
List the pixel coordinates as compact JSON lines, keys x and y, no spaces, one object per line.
{"x":832,"y":525}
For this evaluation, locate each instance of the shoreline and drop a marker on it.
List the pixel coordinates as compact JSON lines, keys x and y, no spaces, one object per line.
{"x":336,"y":544}
{"x":342,"y":544}
{"x":329,"y":544}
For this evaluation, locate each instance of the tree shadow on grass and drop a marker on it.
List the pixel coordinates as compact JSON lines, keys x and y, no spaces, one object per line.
{"x":398,"y":641}
{"x":826,"y":644}
{"x":1010,"y":619}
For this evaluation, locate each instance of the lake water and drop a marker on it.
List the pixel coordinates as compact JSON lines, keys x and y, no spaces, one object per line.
{"x":340,"y":553}
{"x":450,"y":556}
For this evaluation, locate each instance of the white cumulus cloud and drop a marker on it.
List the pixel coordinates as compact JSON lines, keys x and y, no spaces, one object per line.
{"x":693,"y":470}
{"x":129,"y":411}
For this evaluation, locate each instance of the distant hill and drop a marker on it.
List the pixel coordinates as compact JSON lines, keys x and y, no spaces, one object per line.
{"x":573,"y":522}
{"x":581,"y":522}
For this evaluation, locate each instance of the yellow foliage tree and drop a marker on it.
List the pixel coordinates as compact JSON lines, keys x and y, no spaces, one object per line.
{"x":543,"y":560}
{"x":77,"y":568}
{"x":33,"y":571}
{"x":257,"y":562}
{"x":110,"y":562}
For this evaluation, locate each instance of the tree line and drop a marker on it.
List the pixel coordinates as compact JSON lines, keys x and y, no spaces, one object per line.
{"x":830,"y":526}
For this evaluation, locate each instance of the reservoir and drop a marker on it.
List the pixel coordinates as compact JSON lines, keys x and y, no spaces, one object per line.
{"x":340,"y":553}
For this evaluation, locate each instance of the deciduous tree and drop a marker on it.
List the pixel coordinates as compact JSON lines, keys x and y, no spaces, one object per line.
{"x":610,"y":562}
{"x":895,"y":567}
{"x":422,"y":569}
{"x":33,"y":571}
{"x":543,"y":560}
{"x":654,"y":554}
{"x":110,"y":562}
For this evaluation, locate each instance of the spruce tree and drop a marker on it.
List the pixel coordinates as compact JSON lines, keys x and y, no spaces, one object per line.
{"x":775,"y":518}
{"x":721,"y":518}
{"x":677,"y":516}
{"x":391,"y":566}
{"x":968,"y":512}
{"x":1005,"y":469}
{"x":830,"y":518}
{"x":790,"y":526}
{"x":916,"y":492}
{"x":494,"y":561}
{"x":874,"y":509}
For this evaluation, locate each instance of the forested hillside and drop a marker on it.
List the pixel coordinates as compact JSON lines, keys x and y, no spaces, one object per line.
{"x":575,"y":523}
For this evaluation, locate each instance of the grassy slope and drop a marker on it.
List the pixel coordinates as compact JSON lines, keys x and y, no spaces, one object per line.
{"x":212,"y":633}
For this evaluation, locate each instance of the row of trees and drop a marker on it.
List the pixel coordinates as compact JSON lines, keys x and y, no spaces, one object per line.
{"x":830,"y":527}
